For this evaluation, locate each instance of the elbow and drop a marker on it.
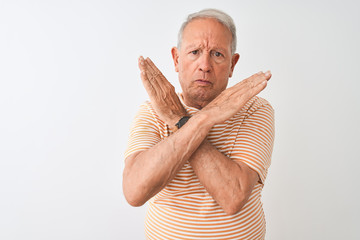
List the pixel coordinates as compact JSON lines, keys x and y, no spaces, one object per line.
{"x":132,"y":198}
{"x":131,"y":191}
{"x":132,"y":194}
{"x":232,"y":210}
{"x":233,"y":207}
{"x":134,"y":202}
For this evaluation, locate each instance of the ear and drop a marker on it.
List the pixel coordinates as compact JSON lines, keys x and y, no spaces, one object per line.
{"x":175,"y":56}
{"x":234,"y":60}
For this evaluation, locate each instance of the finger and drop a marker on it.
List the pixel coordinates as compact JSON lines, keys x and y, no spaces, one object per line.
{"x":144,"y":77}
{"x":154,"y":89}
{"x":268,"y":75}
{"x":156,"y":72}
{"x":163,"y":86}
{"x":259,"y":82}
{"x":141,"y":64}
{"x":152,"y":67}
{"x":258,"y":88}
{"x":251,"y":86}
{"x":147,"y":74}
{"x":152,"y":76}
{"x":258,"y":78}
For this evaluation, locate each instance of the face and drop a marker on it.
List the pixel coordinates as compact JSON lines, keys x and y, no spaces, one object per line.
{"x":204,"y":61}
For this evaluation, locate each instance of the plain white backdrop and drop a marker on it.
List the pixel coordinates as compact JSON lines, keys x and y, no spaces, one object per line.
{"x":70,"y":87}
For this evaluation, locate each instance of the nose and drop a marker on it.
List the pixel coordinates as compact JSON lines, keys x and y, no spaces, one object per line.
{"x":204,"y":63}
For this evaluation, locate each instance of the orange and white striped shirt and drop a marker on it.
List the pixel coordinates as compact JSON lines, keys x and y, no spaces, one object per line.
{"x":184,"y":209}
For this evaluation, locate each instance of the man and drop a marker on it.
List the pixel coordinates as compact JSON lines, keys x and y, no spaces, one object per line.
{"x":201,"y":157}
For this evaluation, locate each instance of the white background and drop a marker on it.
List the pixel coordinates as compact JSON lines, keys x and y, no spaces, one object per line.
{"x":70,"y":87}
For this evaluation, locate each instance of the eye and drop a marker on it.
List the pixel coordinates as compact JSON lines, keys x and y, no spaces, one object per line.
{"x":195,"y":52}
{"x":218,"y":54}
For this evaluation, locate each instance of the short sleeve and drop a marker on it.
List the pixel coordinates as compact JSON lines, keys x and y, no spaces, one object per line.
{"x":255,"y":139}
{"x":144,"y":132}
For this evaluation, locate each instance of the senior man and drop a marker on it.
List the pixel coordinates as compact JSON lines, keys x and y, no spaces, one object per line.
{"x":201,"y":157}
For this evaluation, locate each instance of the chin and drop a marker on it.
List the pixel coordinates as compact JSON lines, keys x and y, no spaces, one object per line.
{"x":204,"y":95}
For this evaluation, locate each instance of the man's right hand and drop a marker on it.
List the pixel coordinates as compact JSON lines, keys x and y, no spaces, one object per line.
{"x":232,"y":99}
{"x":162,"y":94}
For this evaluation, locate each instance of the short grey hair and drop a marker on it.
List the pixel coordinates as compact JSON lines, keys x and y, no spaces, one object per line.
{"x":216,"y":14}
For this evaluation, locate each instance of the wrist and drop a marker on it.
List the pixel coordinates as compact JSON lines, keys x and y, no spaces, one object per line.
{"x":181,"y":121}
{"x":203,"y":120}
{"x":206,"y":118}
{"x":199,"y":120}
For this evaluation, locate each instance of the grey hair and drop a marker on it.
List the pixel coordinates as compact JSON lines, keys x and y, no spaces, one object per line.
{"x":218,"y":15}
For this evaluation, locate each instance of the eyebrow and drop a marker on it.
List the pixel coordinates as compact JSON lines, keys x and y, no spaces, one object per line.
{"x":199,"y":46}
{"x":192,"y":46}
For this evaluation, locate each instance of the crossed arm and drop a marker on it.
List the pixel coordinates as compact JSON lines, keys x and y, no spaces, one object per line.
{"x":147,"y":172}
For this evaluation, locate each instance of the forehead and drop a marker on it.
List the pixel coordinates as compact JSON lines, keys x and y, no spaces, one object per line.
{"x":207,"y":31}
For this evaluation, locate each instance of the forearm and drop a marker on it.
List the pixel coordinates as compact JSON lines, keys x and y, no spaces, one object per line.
{"x":228,"y":182}
{"x":148,"y":172}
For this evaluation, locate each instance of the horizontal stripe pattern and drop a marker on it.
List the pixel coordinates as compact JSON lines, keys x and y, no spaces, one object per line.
{"x":184,"y":209}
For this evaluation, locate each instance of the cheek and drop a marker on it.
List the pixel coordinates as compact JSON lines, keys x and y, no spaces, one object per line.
{"x":182,"y":75}
{"x":184,"y":69}
{"x":184,"y":63}
{"x":223,"y":71}
{"x":226,"y":70}
{"x":222,"y":75}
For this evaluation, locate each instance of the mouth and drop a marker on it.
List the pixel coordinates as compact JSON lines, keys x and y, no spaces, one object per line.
{"x":203,"y":82}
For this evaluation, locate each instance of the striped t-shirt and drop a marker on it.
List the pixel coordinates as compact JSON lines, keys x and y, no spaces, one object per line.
{"x":184,"y":209}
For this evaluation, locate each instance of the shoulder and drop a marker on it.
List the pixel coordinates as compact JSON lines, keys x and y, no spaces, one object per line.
{"x":147,"y":111}
{"x":255,"y":104}
{"x":146,"y":106}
